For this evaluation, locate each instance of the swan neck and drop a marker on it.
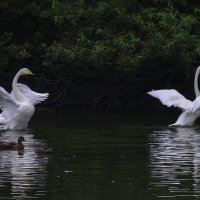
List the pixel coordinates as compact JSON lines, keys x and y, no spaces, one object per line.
{"x":18,"y":95}
{"x":196,"y":88}
{"x":15,"y":80}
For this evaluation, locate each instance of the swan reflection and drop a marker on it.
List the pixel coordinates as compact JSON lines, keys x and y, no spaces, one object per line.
{"x":22,"y":172}
{"x":175,"y":161}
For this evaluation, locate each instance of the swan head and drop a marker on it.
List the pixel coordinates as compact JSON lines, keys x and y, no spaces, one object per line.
{"x":25,"y":71}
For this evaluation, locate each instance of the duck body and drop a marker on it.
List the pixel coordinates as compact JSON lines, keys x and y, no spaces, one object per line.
{"x":13,"y":145}
{"x":43,"y":150}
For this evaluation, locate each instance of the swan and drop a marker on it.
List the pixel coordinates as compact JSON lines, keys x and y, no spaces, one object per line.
{"x":190,"y":109}
{"x":18,"y":106}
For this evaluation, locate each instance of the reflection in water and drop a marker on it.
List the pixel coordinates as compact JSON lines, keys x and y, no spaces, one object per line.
{"x":175,"y":162}
{"x":22,"y":174}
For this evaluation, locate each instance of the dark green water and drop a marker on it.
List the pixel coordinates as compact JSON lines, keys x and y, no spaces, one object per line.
{"x":102,"y":157}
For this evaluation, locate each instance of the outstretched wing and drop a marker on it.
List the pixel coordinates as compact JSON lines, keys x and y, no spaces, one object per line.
{"x":171,"y":98}
{"x":7,"y":104}
{"x":33,"y":97}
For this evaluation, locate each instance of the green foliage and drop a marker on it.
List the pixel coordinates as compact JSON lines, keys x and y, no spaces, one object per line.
{"x":100,"y":38}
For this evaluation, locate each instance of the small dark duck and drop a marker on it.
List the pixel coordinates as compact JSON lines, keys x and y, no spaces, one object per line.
{"x":43,"y":150}
{"x":13,"y":145}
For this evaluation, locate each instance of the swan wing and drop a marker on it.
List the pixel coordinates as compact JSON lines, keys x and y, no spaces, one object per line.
{"x":7,"y":104}
{"x":34,"y":97}
{"x":170,"y":98}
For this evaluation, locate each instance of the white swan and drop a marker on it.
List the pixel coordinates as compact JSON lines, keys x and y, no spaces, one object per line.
{"x":18,"y":107}
{"x":191,"y":110}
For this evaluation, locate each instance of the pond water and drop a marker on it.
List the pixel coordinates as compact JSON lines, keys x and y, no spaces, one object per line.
{"x":103,"y":157}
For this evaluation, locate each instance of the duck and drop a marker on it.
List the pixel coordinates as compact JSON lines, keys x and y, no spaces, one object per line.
{"x":18,"y":106}
{"x":44,"y":150}
{"x":13,"y":145}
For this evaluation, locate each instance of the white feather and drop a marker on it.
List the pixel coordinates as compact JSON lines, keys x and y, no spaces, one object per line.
{"x":196,"y":105}
{"x":191,"y":110}
{"x":18,"y":107}
{"x":171,"y":98}
{"x":32,"y":96}
{"x":7,"y":104}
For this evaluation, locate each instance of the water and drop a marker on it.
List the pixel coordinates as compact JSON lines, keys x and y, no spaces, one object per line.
{"x":102,"y":157}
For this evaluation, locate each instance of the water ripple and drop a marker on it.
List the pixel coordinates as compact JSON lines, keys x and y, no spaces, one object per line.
{"x":175,"y":162}
{"x":22,"y":173}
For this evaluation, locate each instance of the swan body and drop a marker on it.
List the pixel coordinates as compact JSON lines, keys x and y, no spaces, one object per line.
{"x":18,"y":107}
{"x":190,"y":109}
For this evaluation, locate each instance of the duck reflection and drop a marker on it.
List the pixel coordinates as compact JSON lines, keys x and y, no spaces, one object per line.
{"x":175,"y":161}
{"x":22,"y":171}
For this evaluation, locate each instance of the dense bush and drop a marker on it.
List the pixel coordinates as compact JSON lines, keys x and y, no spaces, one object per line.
{"x":151,"y":43}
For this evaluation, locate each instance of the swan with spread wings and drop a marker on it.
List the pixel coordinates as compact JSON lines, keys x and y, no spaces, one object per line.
{"x":190,"y":109}
{"x":18,"y":107}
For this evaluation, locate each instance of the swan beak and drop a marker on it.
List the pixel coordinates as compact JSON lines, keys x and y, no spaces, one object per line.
{"x":30,"y":72}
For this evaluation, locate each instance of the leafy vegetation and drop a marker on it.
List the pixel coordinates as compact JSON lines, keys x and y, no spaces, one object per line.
{"x":128,"y":47}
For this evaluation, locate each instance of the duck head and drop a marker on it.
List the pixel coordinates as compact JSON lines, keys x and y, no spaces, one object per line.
{"x":21,"y":139}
